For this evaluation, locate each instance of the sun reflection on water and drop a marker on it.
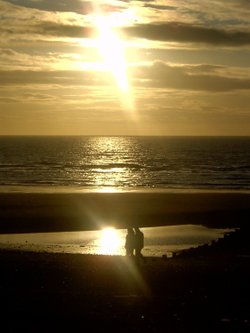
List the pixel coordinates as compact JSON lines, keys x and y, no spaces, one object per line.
{"x":109,"y":242}
{"x":111,"y":161}
{"x":109,"y":190}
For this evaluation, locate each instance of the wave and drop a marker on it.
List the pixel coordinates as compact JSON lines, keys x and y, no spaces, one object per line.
{"x":151,"y":163}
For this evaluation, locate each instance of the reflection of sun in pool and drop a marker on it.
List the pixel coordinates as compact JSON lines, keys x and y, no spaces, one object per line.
{"x":110,"y":241}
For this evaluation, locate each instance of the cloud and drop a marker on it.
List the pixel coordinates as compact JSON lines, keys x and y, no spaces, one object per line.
{"x":19,"y":22}
{"x":62,"y":30}
{"x":159,"y":7}
{"x":30,"y":22}
{"x":189,"y":33}
{"x":47,"y":28}
{"x":10,"y":100}
{"x":159,"y":75}
{"x":243,"y":4}
{"x":168,"y":32}
{"x":77,"y":6}
{"x":71,"y":78}
{"x":197,"y":78}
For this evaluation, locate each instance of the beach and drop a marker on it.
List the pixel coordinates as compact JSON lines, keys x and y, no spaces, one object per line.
{"x":202,"y":290}
{"x":75,"y":211}
{"x":125,"y":166}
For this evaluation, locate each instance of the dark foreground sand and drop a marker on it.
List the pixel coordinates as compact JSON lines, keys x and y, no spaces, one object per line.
{"x":199,"y":292}
{"x":207,"y":290}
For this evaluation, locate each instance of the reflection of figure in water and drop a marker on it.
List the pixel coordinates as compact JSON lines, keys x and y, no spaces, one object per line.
{"x":130,"y":242}
{"x":139,"y":242}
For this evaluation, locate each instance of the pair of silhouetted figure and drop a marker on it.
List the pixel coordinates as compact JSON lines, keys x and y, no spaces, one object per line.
{"x":134,"y":242}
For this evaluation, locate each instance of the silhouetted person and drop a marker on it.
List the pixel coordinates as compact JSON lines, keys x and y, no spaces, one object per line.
{"x":139,"y":242}
{"x":130,"y":242}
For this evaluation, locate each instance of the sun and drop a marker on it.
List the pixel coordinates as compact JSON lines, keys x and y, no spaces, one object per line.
{"x":112,"y":49}
{"x":110,"y":241}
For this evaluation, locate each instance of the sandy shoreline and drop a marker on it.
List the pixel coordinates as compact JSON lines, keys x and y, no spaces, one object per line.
{"x":52,"y":292}
{"x":204,"y":290}
{"x":43,"y":212}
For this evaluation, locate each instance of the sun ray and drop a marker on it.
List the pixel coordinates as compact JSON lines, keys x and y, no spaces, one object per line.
{"x":112,"y":50}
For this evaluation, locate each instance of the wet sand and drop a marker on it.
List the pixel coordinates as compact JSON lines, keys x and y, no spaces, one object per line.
{"x":43,"y":212}
{"x":206,"y":290}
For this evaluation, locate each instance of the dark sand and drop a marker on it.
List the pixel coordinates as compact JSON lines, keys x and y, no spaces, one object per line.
{"x":42,"y":212}
{"x":204,"y":290}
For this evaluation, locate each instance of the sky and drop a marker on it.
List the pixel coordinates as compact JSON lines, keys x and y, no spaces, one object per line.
{"x":75,"y":67}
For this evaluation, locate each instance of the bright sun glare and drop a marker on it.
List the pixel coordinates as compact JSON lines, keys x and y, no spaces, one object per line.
{"x":110,"y":241}
{"x":112,"y":50}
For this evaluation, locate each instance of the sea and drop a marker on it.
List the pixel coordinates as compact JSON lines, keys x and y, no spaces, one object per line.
{"x":121,"y":163}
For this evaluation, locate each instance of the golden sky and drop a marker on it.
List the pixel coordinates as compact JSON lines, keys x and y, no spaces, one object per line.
{"x":76,"y":67}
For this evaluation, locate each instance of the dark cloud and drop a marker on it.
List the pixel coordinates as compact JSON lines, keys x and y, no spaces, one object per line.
{"x":189,"y":78}
{"x":7,"y":100}
{"x":21,"y":77}
{"x":168,"y":32}
{"x":160,"y":7}
{"x":7,"y":52}
{"x":77,"y":6}
{"x":48,"y":28}
{"x":188,"y":33}
{"x":62,"y":30}
{"x":243,"y":3}
{"x":203,"y":68}
{"x":159,"y":75}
